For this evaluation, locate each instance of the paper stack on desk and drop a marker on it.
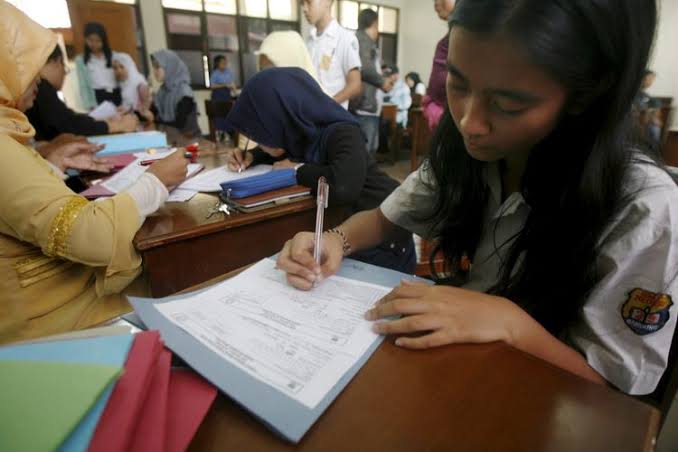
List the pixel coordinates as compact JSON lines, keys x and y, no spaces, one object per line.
{"x":282,"y":353}
{"x":127,"y":176}
{"x":101,"y":393}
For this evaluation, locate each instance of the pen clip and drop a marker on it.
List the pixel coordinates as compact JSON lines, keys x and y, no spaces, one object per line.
{"x":323,"y":192}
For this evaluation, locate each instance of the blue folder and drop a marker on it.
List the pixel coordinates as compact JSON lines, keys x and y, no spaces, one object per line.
{"x":283,"y":415}
{"x":111,"y":350}
{"x":124,"y":143}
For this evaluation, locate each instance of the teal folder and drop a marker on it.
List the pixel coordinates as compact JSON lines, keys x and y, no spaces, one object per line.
{"x":110,"y":350}
{"x":124,"y":143}
{"x":280,"y":413}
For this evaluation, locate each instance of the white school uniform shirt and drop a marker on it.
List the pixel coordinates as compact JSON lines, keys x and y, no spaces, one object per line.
{"x":101,"y":76}
{"x":627,"y":324}
{"x":334,"y":54}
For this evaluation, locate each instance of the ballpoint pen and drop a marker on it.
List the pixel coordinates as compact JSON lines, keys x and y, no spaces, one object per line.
{"x":321,"y":205}
{"x":187,"y":155}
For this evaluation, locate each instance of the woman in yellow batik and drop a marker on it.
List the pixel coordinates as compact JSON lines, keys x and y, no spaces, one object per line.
{"x":64,"y":261}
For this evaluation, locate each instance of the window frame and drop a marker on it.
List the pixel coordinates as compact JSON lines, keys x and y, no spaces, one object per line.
{"x":239,"y":19}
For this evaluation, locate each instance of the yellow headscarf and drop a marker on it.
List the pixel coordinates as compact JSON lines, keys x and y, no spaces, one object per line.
{"x":287,"y":49}
{"x":24,"y":48}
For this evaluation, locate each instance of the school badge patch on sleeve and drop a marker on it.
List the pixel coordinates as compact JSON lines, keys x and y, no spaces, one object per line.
{"x":646,"y":312}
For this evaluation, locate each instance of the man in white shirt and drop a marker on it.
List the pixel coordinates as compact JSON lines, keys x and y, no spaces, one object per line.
{"x":334,"y":52}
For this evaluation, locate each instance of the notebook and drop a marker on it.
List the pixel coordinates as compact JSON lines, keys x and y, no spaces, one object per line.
{"x":268,"y":199}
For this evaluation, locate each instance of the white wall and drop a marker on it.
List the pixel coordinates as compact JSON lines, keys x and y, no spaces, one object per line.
{"x":665,"y":58}
{"x":420,"y":31}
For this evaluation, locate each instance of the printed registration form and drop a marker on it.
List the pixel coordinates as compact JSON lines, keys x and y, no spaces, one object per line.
{"x":300,"y":343}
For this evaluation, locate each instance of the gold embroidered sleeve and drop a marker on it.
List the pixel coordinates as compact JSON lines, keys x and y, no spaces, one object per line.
{"x":61,"y":226}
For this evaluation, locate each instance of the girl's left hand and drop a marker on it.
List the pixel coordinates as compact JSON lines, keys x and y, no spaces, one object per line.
{"x":284,"y":164}
{"x":446,"y":314}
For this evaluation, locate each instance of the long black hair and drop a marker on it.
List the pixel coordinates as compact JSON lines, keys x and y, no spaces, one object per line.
{"x":415,"y":78}
{"x":574,"y":179}
{"x":95,"y":28}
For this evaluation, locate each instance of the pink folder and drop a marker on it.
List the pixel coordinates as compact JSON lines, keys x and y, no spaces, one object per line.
{"x":149,"y":434}
{"x":122,"y":414}
{"x":190,"y":397}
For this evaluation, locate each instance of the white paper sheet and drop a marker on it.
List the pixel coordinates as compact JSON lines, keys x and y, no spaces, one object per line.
{"x":209,"y":181}
{"x":127,"y":176}
{"x":181,"y":195}
{"x":103,"y":111}
{"x":300,"y":343}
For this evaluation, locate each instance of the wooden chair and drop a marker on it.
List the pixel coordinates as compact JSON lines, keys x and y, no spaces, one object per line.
{"x":421,"y":136}
{"x":216,"y":109}
{"x":423,"y":269}
{"x":389,"y":113}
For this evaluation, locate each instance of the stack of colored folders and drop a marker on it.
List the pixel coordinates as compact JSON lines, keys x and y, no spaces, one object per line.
{"x":113,"y":392}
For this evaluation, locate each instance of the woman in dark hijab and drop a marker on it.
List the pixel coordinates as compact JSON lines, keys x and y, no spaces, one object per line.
{"x":298,"y":126}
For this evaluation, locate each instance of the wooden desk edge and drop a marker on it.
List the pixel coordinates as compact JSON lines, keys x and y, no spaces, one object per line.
{"x":240,"y":219}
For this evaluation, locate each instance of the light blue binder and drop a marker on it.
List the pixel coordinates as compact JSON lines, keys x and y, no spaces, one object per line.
{"x":280,"y":413}
{"x":111,"y":350}
{"x":124,"y":143}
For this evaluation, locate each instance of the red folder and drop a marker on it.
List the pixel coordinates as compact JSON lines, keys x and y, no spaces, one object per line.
{"x":118,"y":422}
{"x":190,"y":397}
{"x":149,"y":434}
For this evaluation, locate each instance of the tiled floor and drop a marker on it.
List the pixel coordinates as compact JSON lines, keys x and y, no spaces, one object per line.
{"x":668,"y":440}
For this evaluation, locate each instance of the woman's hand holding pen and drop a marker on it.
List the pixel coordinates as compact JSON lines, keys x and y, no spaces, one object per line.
{"x":296,"y":259}
{"x":171,"y":170}
{"x":440,"y":315}
{"x":239,"y":160}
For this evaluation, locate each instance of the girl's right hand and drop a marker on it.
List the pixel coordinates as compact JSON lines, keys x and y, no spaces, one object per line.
{"x":296,"y":259}
{"x":171,"y":170}
{"x":239,"y":160}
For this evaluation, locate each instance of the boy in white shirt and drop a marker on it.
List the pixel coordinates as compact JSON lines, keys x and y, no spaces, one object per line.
{"x":334,"y":52}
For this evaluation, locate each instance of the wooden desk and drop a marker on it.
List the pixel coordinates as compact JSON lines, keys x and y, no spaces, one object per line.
{"x":456,"y":398}
{"x":181,"y":247}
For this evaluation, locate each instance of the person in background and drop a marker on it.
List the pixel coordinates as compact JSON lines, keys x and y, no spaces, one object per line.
{"x":367,"y":106}
{"x":647,"y":110}
{"x":174,"y":104}
{"x":222,"y":82}
{"x":66,"y":263}
{"x":95,"y":69}
{"x":285,"y":49}
{"x":417,"y":87}
{"x":134,"y":90}
{"x":577,"y":267}
{"x":399,"y":95}
{"x":51,"y":117}
{"x":334,"y":52}
{"x":298,"y":126}
{"x":435,"y":102}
